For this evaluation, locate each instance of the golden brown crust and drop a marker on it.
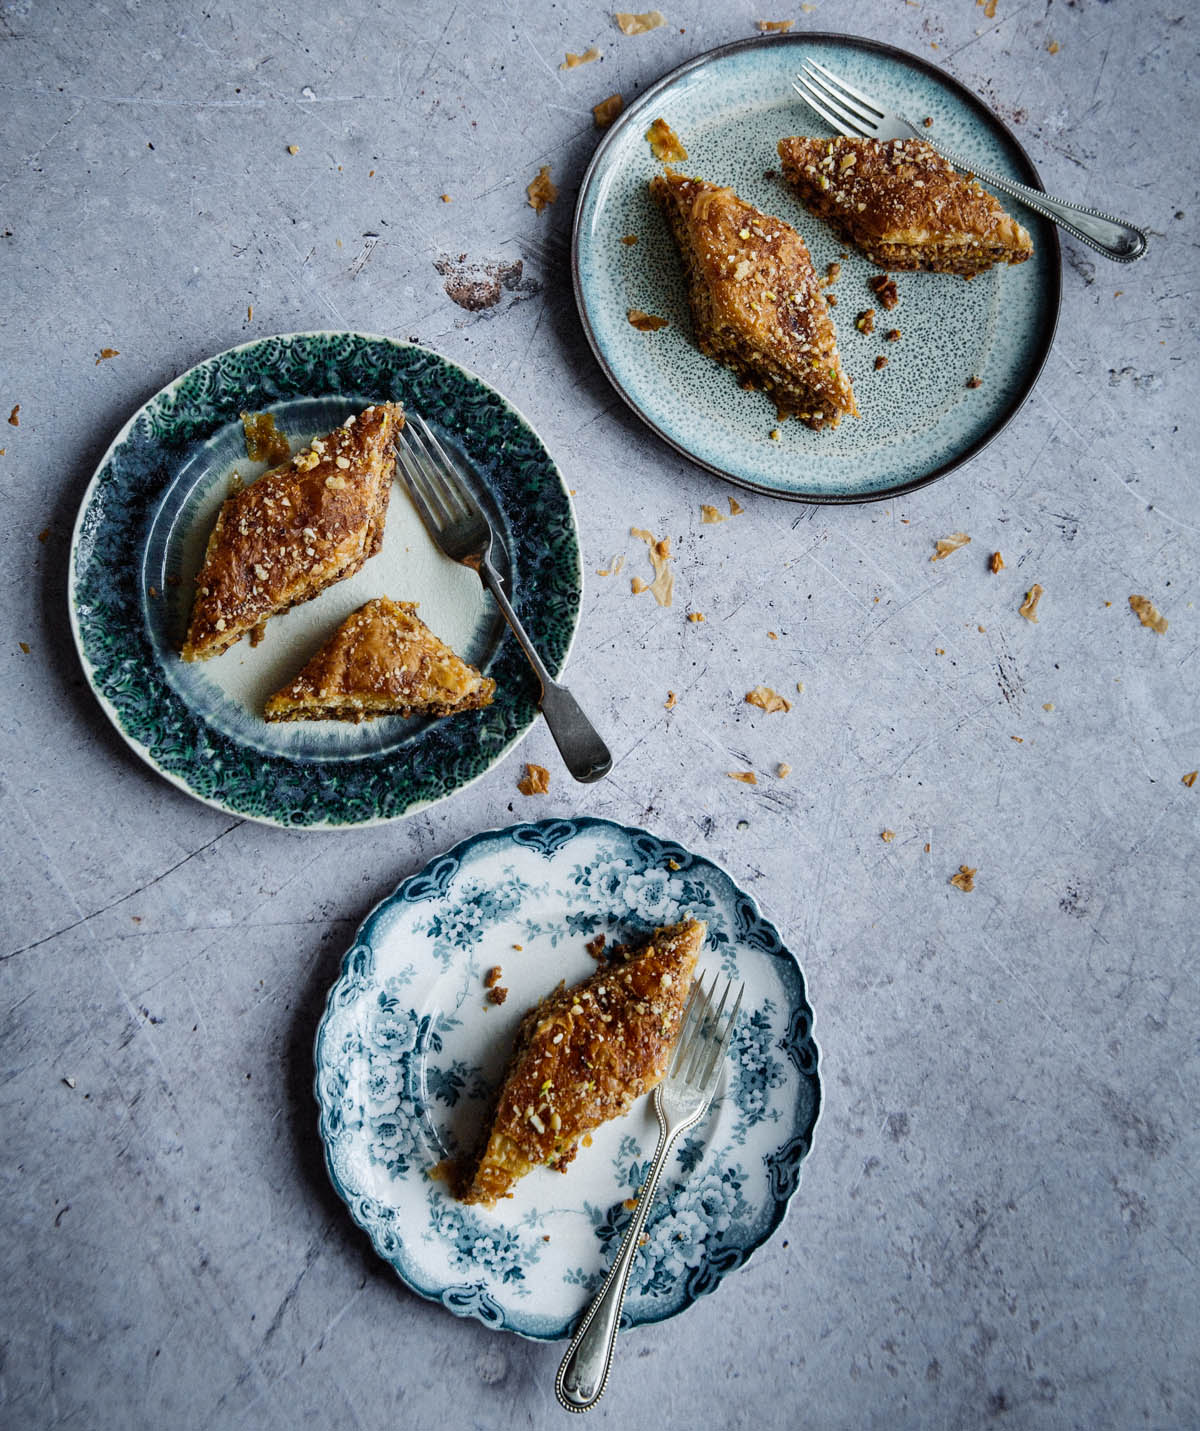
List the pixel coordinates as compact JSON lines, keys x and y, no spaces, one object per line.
{"x":299,"y":528}
{"x":756,"y":302}
{"x":584,"y":1055}
{"x":903,"y":205}
{"x":382,"y":660}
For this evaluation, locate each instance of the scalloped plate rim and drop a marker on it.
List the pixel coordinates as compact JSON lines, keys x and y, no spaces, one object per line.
{"x":438,"y":1295}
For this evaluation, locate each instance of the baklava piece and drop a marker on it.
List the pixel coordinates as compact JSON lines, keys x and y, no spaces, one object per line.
{"x":903,"y":205}
{"x":585,"y":1055}
{"x":298,"y":529}
{"x":382,"y":660}
{"x":756,"y":302}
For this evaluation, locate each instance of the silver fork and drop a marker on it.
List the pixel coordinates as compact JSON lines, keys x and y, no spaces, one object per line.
{"x":851,"y":111}
{"x":464,"y":533}
{"x":680,"y":1100}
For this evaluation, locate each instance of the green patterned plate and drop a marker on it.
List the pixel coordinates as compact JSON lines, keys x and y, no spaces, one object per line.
{"x":140,"y":537}
{"x":919,"y":420}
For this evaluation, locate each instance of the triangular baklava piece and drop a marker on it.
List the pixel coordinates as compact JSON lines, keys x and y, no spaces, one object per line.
{"x":295,"y":531}
{"x":382,"y":660}
{"x":584,"y":1055}
{"x":756,"y":303}
{"x":903,"y":205}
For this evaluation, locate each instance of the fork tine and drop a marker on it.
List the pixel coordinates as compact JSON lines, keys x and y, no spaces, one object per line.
{"x":686,"y":1026}
{"x":705,"y":1055}
{"x":837,"y":118}
{"x":720,"y":1050}
{"x":871,"y":104}
{"x":867,"y":115}
{"x":448,"y":470}
{"x":427,"y":470}
{"x":409,"y":474}
{"x":700,"y":1042}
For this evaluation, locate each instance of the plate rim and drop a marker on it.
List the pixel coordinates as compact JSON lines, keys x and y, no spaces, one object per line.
{"x":85,"y":503}
{"x":468,"y":1306}
{"x":959,"y":91}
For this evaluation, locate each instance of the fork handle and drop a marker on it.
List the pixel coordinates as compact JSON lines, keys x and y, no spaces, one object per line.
{"x":583,"y":1374}
{"x":1112,"y":237}
{"x":583,"y":751}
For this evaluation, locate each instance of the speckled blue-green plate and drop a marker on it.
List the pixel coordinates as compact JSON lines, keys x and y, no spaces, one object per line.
{"x":919,"y":420}
{"x":140,"y":538}
{"x":409,"y":1054}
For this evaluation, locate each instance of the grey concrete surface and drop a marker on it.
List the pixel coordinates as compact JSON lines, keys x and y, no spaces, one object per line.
{"x":997,"y":1224}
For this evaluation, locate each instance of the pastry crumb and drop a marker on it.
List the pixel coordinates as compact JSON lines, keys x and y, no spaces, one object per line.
{"x":783,"y":770}
{"x":645,"y":322}
{"x":709,"y":515}
{"x":927,"y":847}
{"x":1190,"y":778}
{"x":964,"y":879}
{"x":1148,"y":614}
{"x":946,"y":545}
{"x":735,"y":507}
{"x":1019,"y":739}
{"x":696,"y":616}
{"x":603,"y":115}
{"x":666,"y":145}
{"x":747,"y":777}
{"x":887,"y":836}
{"x":573,"y":61}
{"x":772,"y":635}
{"x":774,"y":27}
{"x":1052,"y":47}
{"x":264,"y":441}
{"x":1048,"y":706}
{"x":541,"y":190}
{"x":892,"y":335}
{"x":493,"y":976}
{"x":974,"y":381}
{"x":637,"y":586}
{"x":14,"y":417}
{"x":629,"y":239}
{"x":995,"y":563}
{"x":293,"y":149}
{"x":767,"y":700}
{"x":659,"y":551}
{"x":497,"y":995}
{"x":633,"y":24}
{"x":671,"y":701}
{"x":25,"y":646}
{"x":865,"y":322}
{"x":884,"y":288}
{"x":106,"y":353}
{"x":1029,"y":606}
{"x":446,"y":199}
{"x":880,"y":362}
{"x":775,"y":435}
{"x":536,"y":780}
{"x":44,"y":535}
{"x":595,"y":947}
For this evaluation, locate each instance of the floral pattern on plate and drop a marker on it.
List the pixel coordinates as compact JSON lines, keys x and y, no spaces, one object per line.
{"x":410,"y":1052}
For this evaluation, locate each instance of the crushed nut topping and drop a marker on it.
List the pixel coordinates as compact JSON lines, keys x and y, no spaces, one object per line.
{"x":964,"y":879}
{"x":880,"y":362}
{"x":884,"y":288}
{"x":892,"y":335}
{"x":1148,"y":614}
{"x":945,"y":545}
{"x":865,"y":322}
{"x":1029,"y":606}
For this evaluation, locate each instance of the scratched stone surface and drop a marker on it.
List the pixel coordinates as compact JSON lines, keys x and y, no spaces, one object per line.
{"x":998,"y":1219}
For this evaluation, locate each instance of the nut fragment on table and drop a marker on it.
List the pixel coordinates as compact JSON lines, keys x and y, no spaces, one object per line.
{"x":944,"y":546}
{"x":536,"y":780}
{"x":634,"y":24}
{"x":1148,"y":614}
{"x":1029,"y":606}
{"x":995,"y":563}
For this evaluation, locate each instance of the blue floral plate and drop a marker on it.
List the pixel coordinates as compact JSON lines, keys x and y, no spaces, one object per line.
{"x":140,"y":538}
{"x":409,"y":1054}
{"x":919,"y":420}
